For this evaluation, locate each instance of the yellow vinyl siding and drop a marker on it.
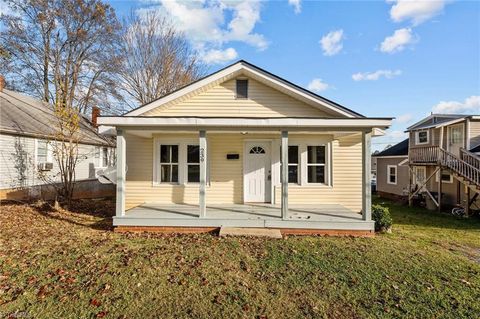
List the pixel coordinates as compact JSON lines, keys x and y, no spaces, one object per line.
{"x":226,"y":176}
{"x":346,"y":189}
{"x":263,"y":101}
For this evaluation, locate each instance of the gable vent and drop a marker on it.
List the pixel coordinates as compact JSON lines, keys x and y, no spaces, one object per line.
{"x":242,"y":89}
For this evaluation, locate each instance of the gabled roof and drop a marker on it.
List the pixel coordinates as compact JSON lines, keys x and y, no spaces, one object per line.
{"x":244,"y":68}
{"x":437,"y":120}
{"x":25,"y":116}
{"x":400,"y":149}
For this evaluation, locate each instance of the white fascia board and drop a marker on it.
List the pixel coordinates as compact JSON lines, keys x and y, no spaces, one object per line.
{"x":226,"y":72}
{"x":125,"y":121}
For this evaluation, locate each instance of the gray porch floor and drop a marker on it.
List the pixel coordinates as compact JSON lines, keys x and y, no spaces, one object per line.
{"x":247,"y":215}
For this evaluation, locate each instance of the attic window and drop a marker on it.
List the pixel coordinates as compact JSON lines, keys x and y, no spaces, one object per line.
{"x":242,"y":89}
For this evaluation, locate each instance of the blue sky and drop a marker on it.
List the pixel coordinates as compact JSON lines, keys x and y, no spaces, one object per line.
{"x":408,"y":58}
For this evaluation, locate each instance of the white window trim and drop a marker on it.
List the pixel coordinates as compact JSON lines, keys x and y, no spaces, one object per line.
{"x":49,"y":151}
{"x":437,"y":177}
{"x":182,"y":160}
{"x":388,"y":174}
{"x":99,"y":160}
{"x":417,"y":137}
{"x":326,"y":165}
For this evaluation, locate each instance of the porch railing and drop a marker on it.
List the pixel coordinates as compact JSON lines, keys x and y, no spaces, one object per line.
{"x":466,"y":166}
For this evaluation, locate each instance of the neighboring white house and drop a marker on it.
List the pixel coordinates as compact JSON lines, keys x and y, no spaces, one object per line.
{"x":26,"y":126}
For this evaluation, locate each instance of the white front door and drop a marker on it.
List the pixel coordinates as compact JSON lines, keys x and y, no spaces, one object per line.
{"x":257,"y":172}
{"x":455,"y":138}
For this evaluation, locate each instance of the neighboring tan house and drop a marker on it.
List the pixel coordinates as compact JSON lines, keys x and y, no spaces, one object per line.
{"x":209,"y":155}
{"x":440,"y":147}
{"x":26,"y":128}
{"x":392,"y":171}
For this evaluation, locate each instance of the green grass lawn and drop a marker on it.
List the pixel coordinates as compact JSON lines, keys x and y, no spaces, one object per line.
{"x":69,"y":264}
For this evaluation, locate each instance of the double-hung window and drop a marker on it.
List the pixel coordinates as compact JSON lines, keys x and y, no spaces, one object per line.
{"x":193,"y":163}
{"x":42,"y":151}
{"x":293,"y":164}
{"x":168,"y":163}
{"x":422,"y":137}
{"x":316,"y":156}
{"x":392,"y":174}
{"x":101,"y":156}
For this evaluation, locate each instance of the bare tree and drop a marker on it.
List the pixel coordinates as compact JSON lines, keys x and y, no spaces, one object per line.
{"x":157,"y":58}
{"x":64,"y":143}
{"x":62,"y":51}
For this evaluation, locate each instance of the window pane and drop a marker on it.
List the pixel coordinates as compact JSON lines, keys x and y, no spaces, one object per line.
{"x":174,"y":174}
{"x":174,"y":153}
{"x":316,"y":154}
{"x":42,"y":151}
{"x":193,"y":154}
{"x":293,"y":154}
{"x":392,"y":170}
{"x":105,"y":157}
{"x":193,"y":173}
{"x":316,"y":174}
{"x":164,"y":153}
{"x":293,"y":174}
{"x":242,"y":89}
{"x":165,"y":173}
{"x":392,"y":178}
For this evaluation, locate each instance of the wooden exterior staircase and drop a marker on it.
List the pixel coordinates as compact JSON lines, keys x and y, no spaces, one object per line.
{"x":465,"y":168}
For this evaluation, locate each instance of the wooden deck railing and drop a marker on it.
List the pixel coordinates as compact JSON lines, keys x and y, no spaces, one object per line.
{"x":424,"y":155}
{"x":466,"y":166}
{"x":470,"y":158}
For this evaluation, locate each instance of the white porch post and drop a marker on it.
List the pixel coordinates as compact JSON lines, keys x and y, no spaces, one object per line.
{"x":284,"y":174}
{"x":366,"y":175}
{"x":203,"y":173}
{"x":121,"y":168}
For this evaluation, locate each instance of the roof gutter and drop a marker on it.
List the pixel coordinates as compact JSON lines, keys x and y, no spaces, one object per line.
{"x":172,"y":122}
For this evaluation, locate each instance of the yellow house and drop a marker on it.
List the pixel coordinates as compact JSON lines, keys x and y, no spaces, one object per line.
{"x":210,"y":155}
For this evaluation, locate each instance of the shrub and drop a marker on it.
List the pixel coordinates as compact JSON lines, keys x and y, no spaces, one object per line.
{"x":382,"y":218}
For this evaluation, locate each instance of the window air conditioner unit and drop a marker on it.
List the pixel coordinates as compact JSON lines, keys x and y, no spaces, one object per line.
{"x":46,"y":166}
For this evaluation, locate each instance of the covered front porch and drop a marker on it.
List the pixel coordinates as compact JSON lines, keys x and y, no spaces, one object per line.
{"x":302,"y":175}
{"x":300,"y":217}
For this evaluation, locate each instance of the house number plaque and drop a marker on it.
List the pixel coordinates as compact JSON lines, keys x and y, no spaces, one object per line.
{"x":202,"y":155}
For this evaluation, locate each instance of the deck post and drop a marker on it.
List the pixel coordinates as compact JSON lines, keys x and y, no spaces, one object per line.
{"x":440,"y":190}
{"x":284,"y":174}
{"x":366,"y":173}
{"x":203,"y":173}
{"x":121,"y":165}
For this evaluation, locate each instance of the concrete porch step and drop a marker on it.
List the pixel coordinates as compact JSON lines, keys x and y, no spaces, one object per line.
{"x":250,"y":232}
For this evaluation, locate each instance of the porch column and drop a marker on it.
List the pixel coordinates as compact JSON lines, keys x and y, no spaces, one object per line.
{"x":121,"y":165}
{"x":203,"y":173}
{"x":366,"y":175}
{"x":284,"y":174}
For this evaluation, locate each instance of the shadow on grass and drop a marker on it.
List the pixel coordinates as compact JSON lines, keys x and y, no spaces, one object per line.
{"x":418,"y":216}
{"x":94,"y":214}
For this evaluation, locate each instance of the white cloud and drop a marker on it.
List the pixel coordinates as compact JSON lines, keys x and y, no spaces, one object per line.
{"x":6,"y":9}
{"x":297,"y":5}
{"x":396,"y":135}
{"x":398,"y":41}
{"x":219,"y":56}
{"x":404,"y":118}
{"x":317,"y":85}
{"x":416,"y":11}
{"x":373,"y":76}
{"x":332,"y":42}
{"x":470,"y":105}
{"x":210,"y":25}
